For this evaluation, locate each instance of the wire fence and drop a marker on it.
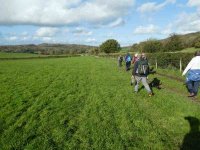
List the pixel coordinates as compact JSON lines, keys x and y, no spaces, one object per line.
{"x":168,"y":63}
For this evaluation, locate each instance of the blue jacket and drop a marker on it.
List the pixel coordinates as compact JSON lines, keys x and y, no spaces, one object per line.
{"x":128,"y":58}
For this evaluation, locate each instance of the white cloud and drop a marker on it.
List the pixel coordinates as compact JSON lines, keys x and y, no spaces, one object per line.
{"x":187,"y":23}
{"x":12,"y":38}
{"x":150,"y":29}
{"x":110,"y":35}
{"x":47,"y":39}
{"x":81,"y":31}
{"x":65,"y":30}
{"x":24,"y":33}
{"x":25,"y":38}
{"x":62,"y":12}
{"x":46,"y":32}
{"x":117,"y":22}
{"x":153,"y":6}
{"x":166,"y":31}
{"x":194,"y":3}
{"x":90,"y":40}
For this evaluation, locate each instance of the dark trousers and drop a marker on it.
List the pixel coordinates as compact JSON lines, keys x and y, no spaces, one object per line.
{"x":119,"y":63}
{"x":128,"y":65}
{"x":193,"y":86}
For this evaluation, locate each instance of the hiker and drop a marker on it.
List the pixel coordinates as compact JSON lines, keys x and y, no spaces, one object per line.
{"x":192,"y":72}
{"x":135,"y":58}
{"x":128,"y":61}
{"x":120,"y":60}
{"x":140,"y":73}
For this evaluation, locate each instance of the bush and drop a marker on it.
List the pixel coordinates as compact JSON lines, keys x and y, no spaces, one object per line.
{"x":94,"y":51}
{"x":173,"y":44}
{"x":152,"y":46}
{"x":197,"y":44}
{"x":136,"y":47}
{"x":110,"y":46}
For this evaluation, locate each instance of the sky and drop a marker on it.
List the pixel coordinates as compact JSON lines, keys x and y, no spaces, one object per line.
{"x":91,"y":22}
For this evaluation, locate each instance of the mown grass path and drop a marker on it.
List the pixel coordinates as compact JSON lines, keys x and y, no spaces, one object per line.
{"x":87,"y":103}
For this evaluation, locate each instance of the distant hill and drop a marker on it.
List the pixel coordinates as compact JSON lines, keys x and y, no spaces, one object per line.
{"x":46,"y":48}
{"x":187,"y":40}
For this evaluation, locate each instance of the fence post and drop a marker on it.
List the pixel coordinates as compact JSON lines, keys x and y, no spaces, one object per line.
{"x":156,"y":64}
{"x":180,"y":64}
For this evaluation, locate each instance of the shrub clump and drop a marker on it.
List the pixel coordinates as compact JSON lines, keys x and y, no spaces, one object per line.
{"x":110,"y":46}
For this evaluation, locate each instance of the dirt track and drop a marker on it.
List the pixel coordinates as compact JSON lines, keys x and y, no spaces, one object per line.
{"x":195,"y":100}
{"x":171,"y":77}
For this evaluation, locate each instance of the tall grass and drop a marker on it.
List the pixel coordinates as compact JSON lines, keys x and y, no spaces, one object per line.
{"x":17,"y":55}
{"x":87,"y":103}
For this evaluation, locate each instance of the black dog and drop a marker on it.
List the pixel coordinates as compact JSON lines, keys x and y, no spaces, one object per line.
{"x":155,"y":83}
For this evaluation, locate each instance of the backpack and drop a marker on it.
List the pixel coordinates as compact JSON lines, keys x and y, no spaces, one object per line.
{"x":143,"y":67}
{"x":128,"y":58}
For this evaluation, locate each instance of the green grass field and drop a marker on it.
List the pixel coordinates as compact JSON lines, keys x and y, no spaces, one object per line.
{"x":88,"y":103}
{"x":17,"y":55}
{"x":190,"y":50}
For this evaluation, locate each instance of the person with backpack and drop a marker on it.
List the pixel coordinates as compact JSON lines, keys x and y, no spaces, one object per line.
{"x":140,"y":73}
{"x":192,"y":72}
{"x":128,"y":61}
{"x":134,"y":59}
{"x":120,"y":60}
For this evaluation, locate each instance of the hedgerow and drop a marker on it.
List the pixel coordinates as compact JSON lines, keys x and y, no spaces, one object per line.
{"x":164,"y":60}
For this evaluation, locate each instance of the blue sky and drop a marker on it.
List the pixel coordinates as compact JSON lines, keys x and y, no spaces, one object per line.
{"x":91,"y":22}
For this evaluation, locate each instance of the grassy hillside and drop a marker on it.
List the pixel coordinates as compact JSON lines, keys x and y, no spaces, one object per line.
{"x":125,"y":49}
{"x":88,"y":103}
{"x":187,"y":38}
{"x":187,"y":41}
{"x":190,"y":50}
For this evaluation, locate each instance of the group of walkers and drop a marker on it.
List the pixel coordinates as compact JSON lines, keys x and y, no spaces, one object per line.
{"x":141,"y":71}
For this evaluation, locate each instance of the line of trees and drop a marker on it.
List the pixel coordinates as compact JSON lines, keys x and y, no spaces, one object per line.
{"x":173,"y":43}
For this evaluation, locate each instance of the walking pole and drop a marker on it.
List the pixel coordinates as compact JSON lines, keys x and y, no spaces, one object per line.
{"x":156,"y":64}
{"x":180,"y":64}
